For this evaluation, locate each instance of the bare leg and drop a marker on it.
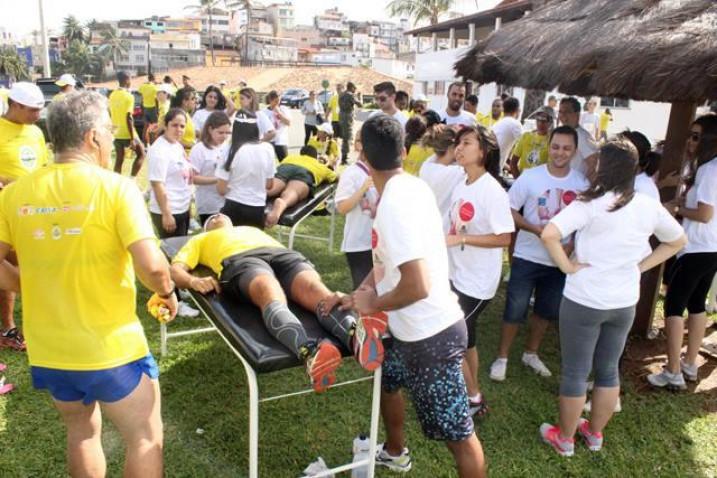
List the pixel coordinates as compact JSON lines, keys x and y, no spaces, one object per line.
{"x":507,"y":335}
{"x":393,"y":412}
{"x":294,"y":192}
{"x":85,"y":458}
{"x":308,"y":290}
{"x":468,"y":455}
{"x":603,"y":407}
{"x":119,"y":160}
{"x":696,"y":324}
{"x":470,"y":371}
{"x":277,"y":186}
{"x":675,"y":329}
{"x":7,"y":307}
{"x":139,"y":421}
{"x":570,"y":410}
{"x":265,"y":289}
{"x":139,"y":160}
{"x":538,"y":327}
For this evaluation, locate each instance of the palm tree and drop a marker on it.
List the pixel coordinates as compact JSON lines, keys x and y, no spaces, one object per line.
{"x":11,"y":65}
{"x":72,"y":29}
{"x":113,"y":46}
{"x":207,"y":7}
{"x":246,"y":6}
{"x":419,"y":9}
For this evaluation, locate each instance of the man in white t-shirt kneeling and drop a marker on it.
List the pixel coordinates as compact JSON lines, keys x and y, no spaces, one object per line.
{"x":536,"y":197}
{"x":410,"y":283}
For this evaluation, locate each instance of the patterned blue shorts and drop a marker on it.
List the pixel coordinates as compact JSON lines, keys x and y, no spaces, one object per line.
{"x":430,"y":369}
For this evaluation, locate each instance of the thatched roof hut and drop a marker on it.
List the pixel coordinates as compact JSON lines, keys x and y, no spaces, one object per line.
{"x":656,"y":50}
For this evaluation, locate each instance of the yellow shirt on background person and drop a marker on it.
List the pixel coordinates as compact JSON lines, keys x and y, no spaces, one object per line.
{"x":605,"y":121}
{"x":531,"y":149}
{"x":211,"y":248}
{"x":22,"y":149}
{"x":149,"y":94}
{"x":329,"y":147}
{"x":487,"y":120}
{"x":162,"y":109}
{"x":320,"y":172}
{"x":58,"y":97}
{"x":190,"y":137}
{"x":71,"y":225}
{"x":416,"y":156}
{"x":121,"y":103}
{"x":333,"y":106}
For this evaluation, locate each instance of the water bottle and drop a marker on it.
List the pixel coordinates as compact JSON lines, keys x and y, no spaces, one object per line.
{"x":360,"y":448}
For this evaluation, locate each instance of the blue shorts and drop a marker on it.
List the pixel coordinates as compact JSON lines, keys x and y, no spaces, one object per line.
{"x":108,"y":385}
{"x":430,"y":369}
{"x":525,"y":277}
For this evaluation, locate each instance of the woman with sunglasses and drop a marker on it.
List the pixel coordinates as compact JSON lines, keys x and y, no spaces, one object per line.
{"x":690,"y":277}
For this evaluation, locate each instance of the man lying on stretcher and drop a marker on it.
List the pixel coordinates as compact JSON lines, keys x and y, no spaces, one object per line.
{"x":253,"y":266}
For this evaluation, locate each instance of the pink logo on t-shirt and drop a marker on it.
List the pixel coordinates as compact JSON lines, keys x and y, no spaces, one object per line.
{"x":552,"y":202}
{"x":374,"y":239}
{"x":466,"y":211}
{"x":463,"y":213}
{"x":568,"y":197}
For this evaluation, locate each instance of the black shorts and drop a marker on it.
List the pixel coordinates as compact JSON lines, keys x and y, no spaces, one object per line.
{"x":472,"y":308}
{"x":150,"y":114}
{"x":689,"y":283}
{"x":292,"y":172}
{"x":181,"y":220}
{"x":281,"y":151}
{"x":336,"y":126}
{"x":122,"y":144}
{"x":243,"y":215}
{"x":238,"y":271}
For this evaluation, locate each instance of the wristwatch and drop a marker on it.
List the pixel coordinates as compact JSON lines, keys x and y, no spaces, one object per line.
{"x":168,"y":294}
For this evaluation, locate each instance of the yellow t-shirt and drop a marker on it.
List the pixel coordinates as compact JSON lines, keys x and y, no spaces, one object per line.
{"x":416,"y":156}
{"x":329,"y":147}
{"x":121,"y":104}
{"x":4,"y":92}
{"x":162,"y":112}
{"x":58,"y":97}
{"x":604,"y":121}
{"x":487,"y":120}
{"x":149,"y":94}
{"x":22,"y":149}
{"x":211,"y":248}
{"x":71,"y":225}
{"x":531,"y":149}
{"x":190,"y":136}
{"x":333,"y":106}
{"x":320,"y":172}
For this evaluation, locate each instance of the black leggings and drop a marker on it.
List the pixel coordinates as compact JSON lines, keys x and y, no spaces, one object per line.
{"x":243,"y":215}
{"x":360,"y":264}
{"x":281,"y":151}
{"x":182,"y":221}
{"x":689,"y":282}
{"x":472,"y":308}
{"x":309,"y":129}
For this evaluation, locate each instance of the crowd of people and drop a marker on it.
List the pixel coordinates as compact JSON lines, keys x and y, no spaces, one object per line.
{"x":432,"y":201}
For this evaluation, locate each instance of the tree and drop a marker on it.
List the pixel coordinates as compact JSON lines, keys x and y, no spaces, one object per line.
{"x":12,"y":65}
{"x":419,"y":10}
{"x":206,"y":7}
{"x":72,"y":29}
{"x":113,"y":46}
{"x":77,"y":58}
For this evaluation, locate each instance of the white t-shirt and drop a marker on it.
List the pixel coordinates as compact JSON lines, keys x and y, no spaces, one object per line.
{"x":702,"y":237}
{"x":357,"y":228}
{"x":646,"y":185}
{"x":612,"y":244}
{"x":199,"y":118}
{"x":442,"y":180}
{"x":507,"y":131}
{"x":590,"y":121}
{"x":264,"y":123}
{"x":407,"y":227}
{"x":310,"y":111}
{"x":586,"y":148}
{"x":205,"y":162}
{"x":253,"y":164}
{"x":282,"y":130}
{"x":399,"y":116}
{"x":168,"y":165}
{"x":463,"y":117}
{"x":476,"y":209}
{"x":542,"y":196}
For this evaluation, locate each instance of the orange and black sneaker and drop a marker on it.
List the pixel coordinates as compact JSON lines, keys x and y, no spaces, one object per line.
{"x":368,"y":344}
{"x":322,"y":364}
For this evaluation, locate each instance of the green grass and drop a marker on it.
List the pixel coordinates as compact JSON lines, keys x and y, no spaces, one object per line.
{"x":658,"y":434}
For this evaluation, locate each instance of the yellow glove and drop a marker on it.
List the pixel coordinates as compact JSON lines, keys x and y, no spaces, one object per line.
{"x":158,"y":309}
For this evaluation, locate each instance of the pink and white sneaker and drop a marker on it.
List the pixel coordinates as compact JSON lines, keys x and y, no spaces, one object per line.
{"x":592,"y":440}
{"x":551,"y":435}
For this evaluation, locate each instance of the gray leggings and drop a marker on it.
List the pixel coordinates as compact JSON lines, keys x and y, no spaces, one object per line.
{"x":591,"y":339}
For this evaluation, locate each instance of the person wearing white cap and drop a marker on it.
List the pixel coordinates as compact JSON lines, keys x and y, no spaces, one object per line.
{"x":420,"y":105}
{"x":22,"y":150}
{"x":67,"y":83}
{"x":325,"y":144}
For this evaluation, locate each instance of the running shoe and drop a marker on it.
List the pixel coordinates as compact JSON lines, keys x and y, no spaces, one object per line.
{"x":534,"y":362}
{"x":498,"y":369}
{"x":322,"y":364}
{"x":185,"y":310}
{"x":401,"y":463}
{"x":592,"y":440}
{"x":368,"y":346}
{"x":689,"y":371}
{"x":665,"y":379}
{"x":551,"y":435}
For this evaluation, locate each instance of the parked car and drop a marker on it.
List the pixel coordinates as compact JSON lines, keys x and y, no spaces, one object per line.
{"x":50,"y":89}
{"x":294,"y":97}
{"x":138,"y":114}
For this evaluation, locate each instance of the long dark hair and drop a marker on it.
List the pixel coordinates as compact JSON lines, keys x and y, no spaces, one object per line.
{"x":488,"y":144}
{"x":245,"y":130}
{"x":221,"y":99}
{"x":415,"y":129}
{"x":707,"y":147}
{"x":215,"y":120}
{"x":181,"y":95}
{"x":616,"y":169}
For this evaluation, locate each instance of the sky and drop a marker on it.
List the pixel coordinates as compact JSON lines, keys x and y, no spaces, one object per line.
{"x":25,"y":14}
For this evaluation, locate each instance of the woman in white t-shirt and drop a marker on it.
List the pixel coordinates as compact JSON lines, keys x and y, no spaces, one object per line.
{"x":690,"y":277}
{"x":170,"y":176}
{"x":480,"y":226}
{"x":212,"y":100}
{"x":248,"y":173}
{"x":440,"y":170}
{"x":209,"y":154}
{"x":313,"y":113}
{"x":280,"y":118}
{"x":356,"y":198}
{"x":613,"y":225}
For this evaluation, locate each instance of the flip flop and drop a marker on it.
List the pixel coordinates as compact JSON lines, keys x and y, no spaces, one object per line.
{"x":3,"y":367}
{"x":5,"y":387}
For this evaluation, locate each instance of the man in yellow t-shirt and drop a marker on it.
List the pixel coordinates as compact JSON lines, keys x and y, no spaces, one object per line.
{"x":67,"y":83}
{"x":22,"y":150}
{"x":296,"y":178}
{"x":326,"y":146}
{"x":531,"y":149}
{"x":252,"y":266}
{"x":80,"y":232}
{"x":605,"y":119}
{"x":121,"y":109}
{"x":148,"y":90}
{"x":496,"y":114}
{"x":333,"y":110}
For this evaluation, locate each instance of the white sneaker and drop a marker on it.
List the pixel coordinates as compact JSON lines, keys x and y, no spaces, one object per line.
{"x":618,"y":406}
{"x":665,"y":379}
{"x":184,"y":294}
{"x":498,"y":369}
{"x":194,"y":225}
{"x":506,"y":277}
{"x":185,"y":310}
{"x":689,"y":371}
{"x":534,"y":362}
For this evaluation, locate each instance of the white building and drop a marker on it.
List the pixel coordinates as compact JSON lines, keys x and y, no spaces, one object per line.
{"x":332,"y":22}
{"x":281,"y":15}
{"x":393,"y":67}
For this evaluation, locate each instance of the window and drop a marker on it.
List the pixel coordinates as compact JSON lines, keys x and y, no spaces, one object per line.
{"x":440,"y":88}
{"x":139,"y":59}
{"x":138,"y":47}
{"x":612,"y":102}
{"x":428,"y":87}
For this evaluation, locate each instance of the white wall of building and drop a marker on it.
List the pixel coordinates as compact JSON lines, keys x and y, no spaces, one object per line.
{"x":392,"y":67}
{"x":646,"y":117}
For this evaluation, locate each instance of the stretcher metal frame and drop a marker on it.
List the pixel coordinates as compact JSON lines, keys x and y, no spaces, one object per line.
{"x":327,"y":194}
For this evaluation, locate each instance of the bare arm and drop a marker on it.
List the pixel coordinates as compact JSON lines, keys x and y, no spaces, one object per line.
{"x":413,"y":286}
{"x":283,"y":119}
{"x":185,"y":280}
{"x":522,"y":223}
{"x":204,"y":180}
{"x":551,"y":239}
{"x":662,"y":252}
{"x":269,"y":135}
{"x":703,"y":213}
{"x":222,"y":187}
{"x":9,"y":276}
{"x":346,"y":205}
{"x":479,"y":240}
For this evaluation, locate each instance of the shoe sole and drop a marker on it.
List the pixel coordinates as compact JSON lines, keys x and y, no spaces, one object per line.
{"x":392,"y":467}
{"x":369,"y":331}
{"x":586,"y":440}
{"x":668,"y":386}
{"x":559,"y":450}
{"x":324,"y":365}
{"x":537,"y":372}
